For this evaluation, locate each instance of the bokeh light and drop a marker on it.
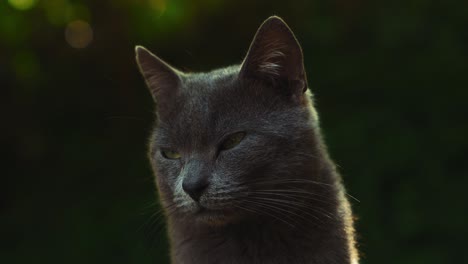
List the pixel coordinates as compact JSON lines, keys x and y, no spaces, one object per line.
{"x":79,"y":34}
{"x":55,"y":11}
{"x":158,"y":5}
{"x":22,"y":4}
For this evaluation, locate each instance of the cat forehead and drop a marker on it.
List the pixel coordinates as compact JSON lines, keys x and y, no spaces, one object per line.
{"x":215,"y":79}
{"x":215,"y":100}
{"x":202,"y":93}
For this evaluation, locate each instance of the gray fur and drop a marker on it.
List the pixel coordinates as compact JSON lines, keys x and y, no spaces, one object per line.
{"x":276,"y":197}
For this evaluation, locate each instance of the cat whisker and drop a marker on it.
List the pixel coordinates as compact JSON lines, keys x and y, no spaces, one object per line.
{"x":352,"y":197}
{"x":280,"y":205}
{"x":263,"y":210}
{"x":153,"y":226}
{"x":290,"y":205}
{"x":297,"y":223}
{"x":277,"y":181}
{"x":292,"y":194}
{"x":294,"y":190}
{"x":314,"y":208}
{"x":295,"y":196}
{"x":285,"y":211}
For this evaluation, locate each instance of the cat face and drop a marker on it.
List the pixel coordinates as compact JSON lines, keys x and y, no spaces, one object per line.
{"x":224,"y":135}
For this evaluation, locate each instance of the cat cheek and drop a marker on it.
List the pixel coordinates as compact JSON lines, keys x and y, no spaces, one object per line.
{"x":167,"y":171}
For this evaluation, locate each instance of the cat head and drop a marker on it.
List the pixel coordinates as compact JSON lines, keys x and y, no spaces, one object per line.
{"x":224,"y":135}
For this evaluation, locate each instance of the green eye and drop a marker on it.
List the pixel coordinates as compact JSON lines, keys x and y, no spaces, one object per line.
{"x":233,"y":140}
{"x":169,"y":154}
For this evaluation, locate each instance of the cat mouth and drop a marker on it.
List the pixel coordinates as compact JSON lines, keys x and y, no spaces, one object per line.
{"x":213,"y":216}
{"x":204,"y":211}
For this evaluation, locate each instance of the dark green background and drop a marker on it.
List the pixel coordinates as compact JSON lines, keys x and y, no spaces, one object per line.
{"x":390,"y":80}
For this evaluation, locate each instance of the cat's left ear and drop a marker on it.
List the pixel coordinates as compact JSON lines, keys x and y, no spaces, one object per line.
{"x":275,"y":56}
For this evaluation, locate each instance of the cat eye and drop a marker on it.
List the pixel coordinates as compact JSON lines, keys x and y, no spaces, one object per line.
{"x":233,"y":140}
{"x":169,"y":154}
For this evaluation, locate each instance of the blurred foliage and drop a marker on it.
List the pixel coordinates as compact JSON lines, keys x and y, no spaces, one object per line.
{"x":390,"y":79}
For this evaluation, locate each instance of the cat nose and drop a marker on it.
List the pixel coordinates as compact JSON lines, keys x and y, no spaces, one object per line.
{"x":194,"y":187}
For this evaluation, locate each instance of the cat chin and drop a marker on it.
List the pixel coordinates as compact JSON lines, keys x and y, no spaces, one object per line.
{"x":214,"y":221}
{"x":214,"y":217}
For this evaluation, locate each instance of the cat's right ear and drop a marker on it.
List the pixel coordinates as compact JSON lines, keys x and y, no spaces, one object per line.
{"x":162,"y":80}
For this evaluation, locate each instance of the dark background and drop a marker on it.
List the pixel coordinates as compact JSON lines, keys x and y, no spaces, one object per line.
{"x":390,"y":80}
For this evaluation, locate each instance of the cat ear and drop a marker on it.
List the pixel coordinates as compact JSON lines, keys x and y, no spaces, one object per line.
{"x":162,"y":80}
{"x":275,"y":56}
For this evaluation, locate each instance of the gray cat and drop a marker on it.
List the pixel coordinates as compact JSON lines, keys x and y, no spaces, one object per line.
{"x":240,"y":165}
